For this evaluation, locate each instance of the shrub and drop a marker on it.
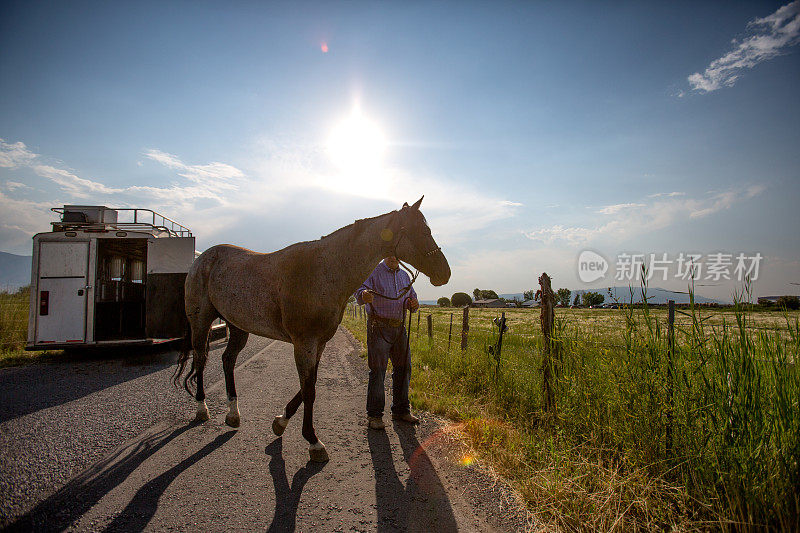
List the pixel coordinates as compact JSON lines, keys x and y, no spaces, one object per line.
{"x":789,"y":302}
{"x":460,"y":299}
{"x":443,"y":302}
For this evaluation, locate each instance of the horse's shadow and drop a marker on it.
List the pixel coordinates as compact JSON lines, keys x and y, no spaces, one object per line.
{"x":422,"y":504}
{"x":72,"y":501}
{"x":287,"y":498}
{"x":138,"y":513}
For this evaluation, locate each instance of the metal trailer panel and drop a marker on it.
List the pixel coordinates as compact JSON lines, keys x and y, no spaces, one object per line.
{"x":168,"y":261}
{"x":61,"y":295}
{"x":170,"y":255}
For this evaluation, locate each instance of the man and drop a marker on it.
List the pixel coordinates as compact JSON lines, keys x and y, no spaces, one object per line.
{"x":386,"y":338}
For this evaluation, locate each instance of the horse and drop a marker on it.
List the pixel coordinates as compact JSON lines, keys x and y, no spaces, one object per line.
{"x":297,"y":295}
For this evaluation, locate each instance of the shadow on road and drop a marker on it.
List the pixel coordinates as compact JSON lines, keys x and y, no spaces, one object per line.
{"x":421,"y":505}
{"x":138,"y":513}
{"x":57,"y":512}
{"x":287,"y":498}
{"x":31,"y":388}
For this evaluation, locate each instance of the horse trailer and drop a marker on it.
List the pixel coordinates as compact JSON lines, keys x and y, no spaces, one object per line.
{"x":106,"y":277}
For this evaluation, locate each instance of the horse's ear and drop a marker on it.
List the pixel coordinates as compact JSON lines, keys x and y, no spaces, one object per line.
{"x":416,"y":204}
{"x":405,"y":204}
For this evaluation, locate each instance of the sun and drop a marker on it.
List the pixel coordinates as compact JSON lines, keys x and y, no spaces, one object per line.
{"x":357,"y":145}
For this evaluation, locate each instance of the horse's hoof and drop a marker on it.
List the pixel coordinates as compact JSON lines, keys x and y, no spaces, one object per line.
{"x":318,"y":453}
{"x":232,"y":420}
{"x":279,"y":425}
{"x":202,"y":412}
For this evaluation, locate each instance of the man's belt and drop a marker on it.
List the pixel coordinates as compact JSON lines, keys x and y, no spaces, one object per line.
{"x":386,"y":322}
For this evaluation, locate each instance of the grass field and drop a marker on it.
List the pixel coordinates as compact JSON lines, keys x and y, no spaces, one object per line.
{"x":707,"y":438}
{"x":14,"y":330}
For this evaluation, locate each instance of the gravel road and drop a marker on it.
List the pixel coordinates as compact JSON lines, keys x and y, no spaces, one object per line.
{"x":105,"y":445}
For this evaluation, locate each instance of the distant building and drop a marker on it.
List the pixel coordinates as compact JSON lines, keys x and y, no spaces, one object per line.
{"x":494,"y":302}
{"x":531,"y":303}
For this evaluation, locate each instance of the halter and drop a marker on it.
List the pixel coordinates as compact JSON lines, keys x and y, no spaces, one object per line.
{"x":413,"y":276}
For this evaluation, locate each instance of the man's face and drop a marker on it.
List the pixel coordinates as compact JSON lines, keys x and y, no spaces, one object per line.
{"x":392,"y":262}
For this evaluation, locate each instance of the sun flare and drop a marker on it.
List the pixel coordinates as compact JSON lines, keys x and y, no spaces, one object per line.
{"x":356,"y":145}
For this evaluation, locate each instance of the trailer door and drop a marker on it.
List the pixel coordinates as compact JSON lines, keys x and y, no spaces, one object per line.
{"x":168,"y":261}
{"x":63,"y":270}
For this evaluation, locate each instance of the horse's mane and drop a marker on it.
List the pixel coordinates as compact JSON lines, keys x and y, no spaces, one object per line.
{"x":357,"y":227}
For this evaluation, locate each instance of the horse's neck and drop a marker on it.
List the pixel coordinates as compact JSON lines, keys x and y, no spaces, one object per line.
{"x":354,"y":252}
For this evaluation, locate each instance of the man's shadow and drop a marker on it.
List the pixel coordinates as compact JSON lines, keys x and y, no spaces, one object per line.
{"x":287,"y":498}
{"x":422,"y":504}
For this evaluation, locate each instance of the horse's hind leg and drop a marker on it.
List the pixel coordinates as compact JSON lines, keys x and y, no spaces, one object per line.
{"x":201,"y":327}
{"x":236,"y":341}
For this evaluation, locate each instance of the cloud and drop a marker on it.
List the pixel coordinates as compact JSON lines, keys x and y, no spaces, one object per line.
{"x":667,"y":194}
{"x":219,"y":175}
{"x":629,"y":219}
{"x":611,"y":209}
{"x":19,"y":220}
{"x":772,"y":36}
{"x":14,"y":155}
{"x":14,"y":185}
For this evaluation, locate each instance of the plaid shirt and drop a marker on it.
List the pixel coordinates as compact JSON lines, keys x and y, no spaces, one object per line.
{"x":389,"y":282}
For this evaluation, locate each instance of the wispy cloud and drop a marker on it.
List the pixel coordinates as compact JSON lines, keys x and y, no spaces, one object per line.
{"x":212,"y":197}
{"x":14,"y":185}
{"x":626,"y":220}
{"x":13,"y":155}
{"x":216,"y":174}
{"x":616,"y":208}
{"x":666,"y":194}
{"x":772,"y":35}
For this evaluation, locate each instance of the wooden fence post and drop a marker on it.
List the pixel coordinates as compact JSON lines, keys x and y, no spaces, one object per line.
{"x":418,"y":317}
{"x":670,"y":378}
{"x":450,"y":333}
{"x":430,"y":328}
{"x":547,"y":318}
{"x":464,"y":328}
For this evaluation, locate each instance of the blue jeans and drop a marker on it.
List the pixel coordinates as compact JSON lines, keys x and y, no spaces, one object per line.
{"x":384,"y":343}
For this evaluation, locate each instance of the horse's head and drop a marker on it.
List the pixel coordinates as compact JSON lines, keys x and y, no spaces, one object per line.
{"x":409,"y":238}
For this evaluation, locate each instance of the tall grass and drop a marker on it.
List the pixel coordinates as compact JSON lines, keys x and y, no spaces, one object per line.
{"x":13,"y":319}
{"x":728,"y":398}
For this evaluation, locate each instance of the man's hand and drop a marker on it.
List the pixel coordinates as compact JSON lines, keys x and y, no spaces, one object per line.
{"x":413,"y":304}
{"x":367,"y":297}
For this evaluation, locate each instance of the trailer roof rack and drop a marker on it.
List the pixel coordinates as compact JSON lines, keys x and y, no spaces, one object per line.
{"x":96,"y":218}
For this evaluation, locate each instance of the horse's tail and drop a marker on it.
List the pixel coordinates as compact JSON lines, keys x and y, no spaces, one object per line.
{"x":186,"y":351}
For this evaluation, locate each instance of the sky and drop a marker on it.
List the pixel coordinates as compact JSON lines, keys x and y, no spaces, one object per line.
{"x":535,"y":130}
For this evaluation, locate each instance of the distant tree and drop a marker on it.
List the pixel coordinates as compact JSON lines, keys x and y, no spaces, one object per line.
{"x":528,"y":295}
{"x":460,"y":299}
{"x":592,"y":298}
{"x":517,"y":302}
{"x":483,"y":294}
{"x":789,"y":302}
{"x":562,"y":295}
{"x":577,"y":300}
{"x":443,"y":302}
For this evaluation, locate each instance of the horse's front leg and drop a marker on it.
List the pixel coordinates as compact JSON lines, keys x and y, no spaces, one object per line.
{"x":281,"y":421}
{"x":306,"y":357}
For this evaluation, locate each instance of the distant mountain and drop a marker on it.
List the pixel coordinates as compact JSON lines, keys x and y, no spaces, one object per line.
{"x":655,"y":295}
{"x":15,"y":271}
